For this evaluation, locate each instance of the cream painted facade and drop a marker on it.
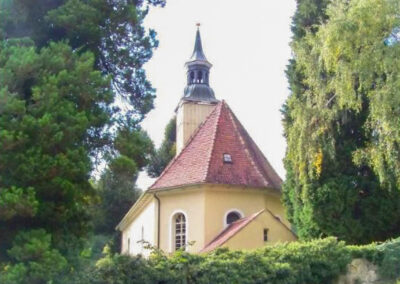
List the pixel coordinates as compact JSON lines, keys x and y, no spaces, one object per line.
{"x":188,"y":118}
{"x":221,"y":199}
{"x":252,"y":236}
{"x":142,"y":231}
{"x":205,"y":208}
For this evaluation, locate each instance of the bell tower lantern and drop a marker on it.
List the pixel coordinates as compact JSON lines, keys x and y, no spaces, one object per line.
{"x":198,"y":98}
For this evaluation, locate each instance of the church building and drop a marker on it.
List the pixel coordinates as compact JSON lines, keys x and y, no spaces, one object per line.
{"x":218,"y":191}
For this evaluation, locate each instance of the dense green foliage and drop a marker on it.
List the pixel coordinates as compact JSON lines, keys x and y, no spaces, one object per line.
{"x":46,"y":113}
{"x":163,"y":155}
{"x":111,"y":30}
{"x":117,"y":185}
{"x":318,"y":261}
{"x":35,"y":260}
{"x":314,"y":262}
{"x":341,"y":121}
{"x":72,"y":94}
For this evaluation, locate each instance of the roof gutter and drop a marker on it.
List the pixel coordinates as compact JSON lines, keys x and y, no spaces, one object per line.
{"x":198,"y":184}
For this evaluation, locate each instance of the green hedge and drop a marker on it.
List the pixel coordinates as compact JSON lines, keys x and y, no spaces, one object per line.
{"x":318,"y":261}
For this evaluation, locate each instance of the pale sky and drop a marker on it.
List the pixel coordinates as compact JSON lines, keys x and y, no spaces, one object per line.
{"x":248,"y":44}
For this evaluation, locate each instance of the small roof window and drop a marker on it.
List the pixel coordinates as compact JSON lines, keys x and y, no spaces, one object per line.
{"x":227,"y":158}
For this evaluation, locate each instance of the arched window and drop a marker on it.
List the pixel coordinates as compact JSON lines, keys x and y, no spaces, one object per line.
{"x":192,"y":77}
{"x":200,"y":77}
{"x":232,"y":217}
{"x":180,"y":231}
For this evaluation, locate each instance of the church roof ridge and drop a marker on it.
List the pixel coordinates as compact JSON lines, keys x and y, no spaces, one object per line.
{"x":189,"y":141}
{"x":218,"y":108}
{"x":202,"y":159}
{"x":255,"y":153}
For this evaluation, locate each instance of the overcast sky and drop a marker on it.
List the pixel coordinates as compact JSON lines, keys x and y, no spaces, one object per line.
{"x":248,"y":44}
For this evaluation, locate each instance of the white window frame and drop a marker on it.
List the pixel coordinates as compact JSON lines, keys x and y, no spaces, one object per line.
{"x":232,"y":210}
{"x":172,"y":229}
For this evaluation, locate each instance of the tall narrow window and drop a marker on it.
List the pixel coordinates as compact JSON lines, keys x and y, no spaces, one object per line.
{"x":129,"y":245}
{"x":180,"y":231}
{"x":200,"y":77}
{"x":265,"y":235}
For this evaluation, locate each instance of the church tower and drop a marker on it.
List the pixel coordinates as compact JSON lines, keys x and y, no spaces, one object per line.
{"x":198,"y":98}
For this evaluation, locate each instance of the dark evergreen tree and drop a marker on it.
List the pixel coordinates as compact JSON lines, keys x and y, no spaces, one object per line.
{"x":117,"y":185}
{"x":71,"y":86}
{"x":333,"y":184}
{"x":163,"y":155}
{"x":111,"y":29}
{"x":53,"y":103}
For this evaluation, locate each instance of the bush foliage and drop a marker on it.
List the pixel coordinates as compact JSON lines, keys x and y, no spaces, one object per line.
{"x":317,"y":261}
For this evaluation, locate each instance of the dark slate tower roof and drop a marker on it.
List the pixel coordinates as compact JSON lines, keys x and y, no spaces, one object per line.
{"x":198,"y":53}
{"x":198,"y":70}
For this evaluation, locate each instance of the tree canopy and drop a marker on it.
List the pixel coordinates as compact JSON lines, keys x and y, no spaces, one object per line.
{"x":161,"y":157}
{"x":111,"y":30}
{"x":341,"y":122}
{"x":72,"y":95}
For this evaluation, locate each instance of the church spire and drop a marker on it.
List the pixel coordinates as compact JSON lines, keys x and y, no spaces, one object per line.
{"x":198,"y":70}
{"x":198,"y":53}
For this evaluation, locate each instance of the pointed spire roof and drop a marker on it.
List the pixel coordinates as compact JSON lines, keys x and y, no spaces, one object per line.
{"x":202,"y":159}
{"x":198,"y":56}
{"x":198,"y":53}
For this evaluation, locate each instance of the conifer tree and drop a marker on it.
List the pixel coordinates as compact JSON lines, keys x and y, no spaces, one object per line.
{"x":50,"y":101}
{"x":72,"y":85}
{"x":117,"y":186}
{"x":163,"y":155}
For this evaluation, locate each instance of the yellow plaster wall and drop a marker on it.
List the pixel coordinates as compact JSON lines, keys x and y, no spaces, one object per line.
{"x":189,"y":117}
{"x":191,"y":202}
{"x":221,"y":199}
{"x":205,"y":207}
{"x":252,"y":236}
{"x":274,"y":204}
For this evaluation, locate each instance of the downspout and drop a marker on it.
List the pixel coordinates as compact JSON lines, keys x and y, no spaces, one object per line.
{"x":158,"y":220}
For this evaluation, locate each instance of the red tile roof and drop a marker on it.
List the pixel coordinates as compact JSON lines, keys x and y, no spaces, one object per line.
{"x":230,"y":231}
{"x":201,"y":161}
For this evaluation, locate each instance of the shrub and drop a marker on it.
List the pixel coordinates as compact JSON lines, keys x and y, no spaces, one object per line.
{"x":389,"y":267}
{"x":33,"y":259}
{"x":318,"y":261}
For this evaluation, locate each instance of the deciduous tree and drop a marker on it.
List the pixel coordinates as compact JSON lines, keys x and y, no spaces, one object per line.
{"x":340,"y":124}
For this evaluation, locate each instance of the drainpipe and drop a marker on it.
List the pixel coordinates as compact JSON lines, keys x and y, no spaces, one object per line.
{"x":158,"y":220}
